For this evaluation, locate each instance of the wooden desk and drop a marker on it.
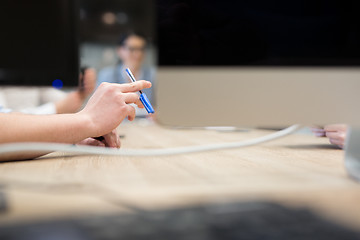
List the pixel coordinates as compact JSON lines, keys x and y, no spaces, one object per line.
{"x":298,"y":170}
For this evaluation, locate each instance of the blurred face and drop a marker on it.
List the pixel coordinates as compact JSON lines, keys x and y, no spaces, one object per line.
{"x":132,"y":53}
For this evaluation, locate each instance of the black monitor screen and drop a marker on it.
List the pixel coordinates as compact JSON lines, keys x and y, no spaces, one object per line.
{"x":38,"y":42}
{"x":259,"y":32}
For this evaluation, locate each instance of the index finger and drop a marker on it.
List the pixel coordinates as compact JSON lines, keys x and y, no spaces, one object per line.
{"x":134,"y":86}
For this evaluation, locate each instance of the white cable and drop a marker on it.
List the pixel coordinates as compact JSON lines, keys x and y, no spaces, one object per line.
{"x":49,"y":147}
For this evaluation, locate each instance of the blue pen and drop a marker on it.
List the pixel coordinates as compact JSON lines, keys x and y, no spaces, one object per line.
{"x":143,"y":98}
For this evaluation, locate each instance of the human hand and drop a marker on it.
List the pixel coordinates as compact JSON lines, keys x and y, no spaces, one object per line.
{"x":109,"y":140}
{"x":336,"y":134}
{"x":109,"y":106}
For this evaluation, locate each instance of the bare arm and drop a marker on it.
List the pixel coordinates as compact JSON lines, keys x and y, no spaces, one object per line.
{"x":35,"y":128}
{"x":105,"y":110}
{"x":65,"y":128}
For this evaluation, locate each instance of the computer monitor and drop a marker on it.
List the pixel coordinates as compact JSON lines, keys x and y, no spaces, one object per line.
{"x":259,"y":63}
{"x":39,"y":42}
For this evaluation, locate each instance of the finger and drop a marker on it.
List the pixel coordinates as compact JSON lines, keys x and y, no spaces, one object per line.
{"x":118,"y":142}
{"x":131,"y":112}
{"x":133,"y":87}
{"x":110,"y":140}
{"x":117,"y":138}
{"x":335,"y":135}
{"x":95,"y":143}
{"x":91,"y":142}
{"x":133,"y":98}
{"x":318,"y":132}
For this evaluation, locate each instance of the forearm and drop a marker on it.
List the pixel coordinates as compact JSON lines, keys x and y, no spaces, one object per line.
{"x":106,"y":109}
{"x":21,"y":156}
{"x":64,"y":128}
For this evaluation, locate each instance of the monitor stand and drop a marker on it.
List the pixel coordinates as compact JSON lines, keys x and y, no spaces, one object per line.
{"x":352,"y":153}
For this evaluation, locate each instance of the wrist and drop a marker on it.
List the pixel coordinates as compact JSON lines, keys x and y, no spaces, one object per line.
{"x":85,"y":124}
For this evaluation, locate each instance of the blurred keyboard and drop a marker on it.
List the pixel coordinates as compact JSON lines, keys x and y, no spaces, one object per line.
{"x":244,"y":220}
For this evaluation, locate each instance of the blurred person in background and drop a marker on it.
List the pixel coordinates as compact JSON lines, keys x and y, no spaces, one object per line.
{"x":131,"y":52}
{"x":48,"y":100}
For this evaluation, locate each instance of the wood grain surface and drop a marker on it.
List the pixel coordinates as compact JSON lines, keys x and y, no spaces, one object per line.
{"x":298,"y":170}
